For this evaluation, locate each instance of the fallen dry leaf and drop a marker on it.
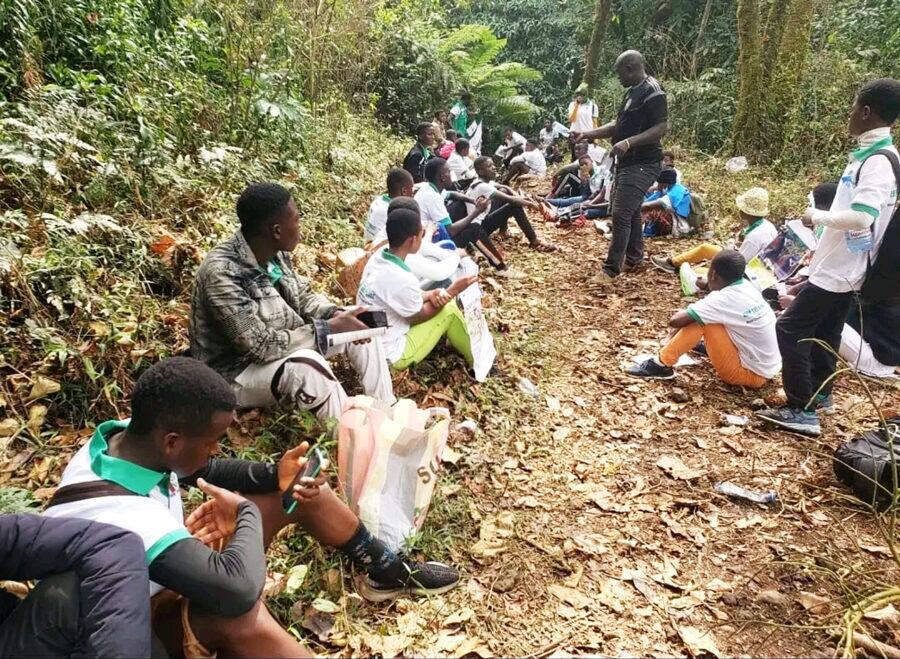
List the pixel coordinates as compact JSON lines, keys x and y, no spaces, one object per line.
{"x":570,"y":596}
{"x":43,"y":387}
{"x":698,"y":642}
{"x":673,"y":466}
{"x":813,"y":603}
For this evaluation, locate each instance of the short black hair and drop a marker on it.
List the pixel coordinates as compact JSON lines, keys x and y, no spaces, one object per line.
{"x":667,"y":177}
{"x":729,"y":264}
{"x":422,"y":128}
{"x":462,"y":144}
{"x":480,"y":162}
{"x":883,"y":96}
{"x":823,"y":195}
{"x":433,"y":169}
{"x":531,"y":142}
{"x":438,"y":113}
{"x":582,"y":145}
{"x":179,"y":394}
{"x":397,"y":178}
{"x":451,"y":135}
{"x":508,"y":129}
{"x":259,"y":205}
{"x":670,"y":155}
{"x":401,"y":224}
{"x":404,"y":202}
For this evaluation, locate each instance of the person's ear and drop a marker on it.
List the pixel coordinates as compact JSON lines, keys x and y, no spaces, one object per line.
{"x":171,"y":442}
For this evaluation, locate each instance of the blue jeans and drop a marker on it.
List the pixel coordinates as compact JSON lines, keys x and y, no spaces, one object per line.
{"x":566,"y":202}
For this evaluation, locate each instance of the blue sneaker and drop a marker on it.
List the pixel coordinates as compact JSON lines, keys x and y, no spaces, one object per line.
{"x":825,"y":404}
{"x":651,"y":369}
{"x":806,"y":423}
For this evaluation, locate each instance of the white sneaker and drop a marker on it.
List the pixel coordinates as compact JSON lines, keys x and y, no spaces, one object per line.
{"x":688,"y":279}
{"x":510,"y":273}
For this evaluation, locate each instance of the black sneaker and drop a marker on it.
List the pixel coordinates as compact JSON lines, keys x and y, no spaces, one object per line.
{"x":664,"y":263}
{"x":700,"y":349}
{"x":431,"y":578}
{"x":651,"y":369}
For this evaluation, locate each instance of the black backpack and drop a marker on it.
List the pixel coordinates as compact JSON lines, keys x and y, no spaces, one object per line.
{"x":882,"y":283}
{"x":864,"y":464}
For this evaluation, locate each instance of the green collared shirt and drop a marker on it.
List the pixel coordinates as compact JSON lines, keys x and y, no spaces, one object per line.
{"x":129,"y":475}
{"x":393,"y":258}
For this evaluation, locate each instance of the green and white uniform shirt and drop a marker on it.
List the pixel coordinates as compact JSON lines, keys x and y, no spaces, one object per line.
{"x":156,"y":516}
{"x":868,"y":186}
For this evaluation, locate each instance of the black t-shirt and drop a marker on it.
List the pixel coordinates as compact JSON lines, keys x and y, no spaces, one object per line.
{"x":415,"y":161}
{"x":643,"y":106}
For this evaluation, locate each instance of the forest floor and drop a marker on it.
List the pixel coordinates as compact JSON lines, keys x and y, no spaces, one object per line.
{"x":585,"y":520}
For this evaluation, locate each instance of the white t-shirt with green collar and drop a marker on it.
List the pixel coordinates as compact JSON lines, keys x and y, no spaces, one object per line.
{"x":482,"y":188}
{"x":749,"y":321}
{"x":431,"y":205}
{"x":387,"y":283}
{"x":156,"y":515}
{"x":377,"y":217}
{"x":867,"y":185}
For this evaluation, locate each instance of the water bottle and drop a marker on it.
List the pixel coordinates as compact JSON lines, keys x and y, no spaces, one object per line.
{"x":739,"y":492}
{"x":529,"y":388}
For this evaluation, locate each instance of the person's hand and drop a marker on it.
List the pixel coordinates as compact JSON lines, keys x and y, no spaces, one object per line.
{"x":346,"y":321}
{"x":575,"y":135}
{"x":807,"y":217}
{"x":439,"y":297}
{"x":461,"y":284}
{"x":620,"y":148}
{"x":482,"y":203}
{"x":214,"y":519}
{"x":784,"y":301}
{"x":290,"y":465}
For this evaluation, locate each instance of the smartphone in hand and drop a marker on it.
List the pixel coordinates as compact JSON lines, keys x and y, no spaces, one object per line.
{"x":313,"y":467}
{"x":373,"y":318}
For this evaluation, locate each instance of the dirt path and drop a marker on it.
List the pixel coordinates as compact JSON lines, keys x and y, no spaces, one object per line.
{"x":586,"y":519}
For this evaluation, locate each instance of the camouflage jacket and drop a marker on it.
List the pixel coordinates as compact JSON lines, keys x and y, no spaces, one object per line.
{"x":239,"y":317}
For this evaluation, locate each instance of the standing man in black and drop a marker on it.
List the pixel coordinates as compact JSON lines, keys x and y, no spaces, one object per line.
{"x":636,"y":136}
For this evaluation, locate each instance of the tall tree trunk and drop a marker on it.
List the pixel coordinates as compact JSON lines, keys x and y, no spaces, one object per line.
{"x":746,"y":137}
{"x":701,"y":32}
{"x":774,"y":31}
{"x":598,"y":33}
{"x":789,"y":63}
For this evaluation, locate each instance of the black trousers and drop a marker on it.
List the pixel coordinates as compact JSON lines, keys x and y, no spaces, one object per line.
{"x":806,"y":365}
{"x":499,"y":218}
{"x":474,"y":236}
{"x":47,"y":623}
{"x":627,"y":244}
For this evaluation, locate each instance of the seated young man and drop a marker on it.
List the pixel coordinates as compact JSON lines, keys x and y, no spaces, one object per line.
{"x":735,"y":323}
{"x":91,"y":600}
{"x":513,"y":145}
{"x":592,"y":190}
{"x":399,"y":184}
{"x":665,"y":211}
{"x":417,"y":320}
{"x":257,"y":323}
{"x":208,"y":600}
{"x":462,"y":168}
{"x":531,"y":162}
{"x":566,"y":181}
{"x":753,"y":207}
{"x":464,"y":232}
{"x":420,"y":152}
{"x":505,"y":204}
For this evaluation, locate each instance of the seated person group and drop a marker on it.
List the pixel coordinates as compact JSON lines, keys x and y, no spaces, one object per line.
{"x":259,"y":336}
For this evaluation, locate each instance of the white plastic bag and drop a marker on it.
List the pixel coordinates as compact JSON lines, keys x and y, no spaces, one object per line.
{"x":388,"y":462}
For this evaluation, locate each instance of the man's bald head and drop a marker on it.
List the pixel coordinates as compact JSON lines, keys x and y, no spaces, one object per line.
{"x":629,"y":67}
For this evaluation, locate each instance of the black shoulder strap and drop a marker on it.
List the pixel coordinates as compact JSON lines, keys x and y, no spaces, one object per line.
{"x":91,"y":490}
{"x":892,"y":158}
